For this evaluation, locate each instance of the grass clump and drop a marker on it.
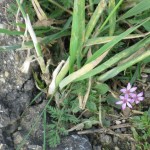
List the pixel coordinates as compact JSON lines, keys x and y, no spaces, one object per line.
{"x":101,"y":41}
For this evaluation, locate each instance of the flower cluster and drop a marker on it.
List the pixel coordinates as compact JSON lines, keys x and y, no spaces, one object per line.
{"x":129,"y":97}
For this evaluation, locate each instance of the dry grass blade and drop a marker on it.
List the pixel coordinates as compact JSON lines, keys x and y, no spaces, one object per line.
{"x":81,"y":71}
{"x":39,"y":11}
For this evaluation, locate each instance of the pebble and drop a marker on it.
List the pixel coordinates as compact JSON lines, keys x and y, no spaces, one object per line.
{"x":97,"y":147}
{"x":118,"y":131}
{"x":123,"y":121}
{"x":6,"y":74}
{"x":118,"y":122}
{"x":123,"y":129}
{"x":115,"y":139}
{"x":117,"y":148}
{"x":105,"y":139}
{"x":2,"y":80}
{"x":17,"y":138}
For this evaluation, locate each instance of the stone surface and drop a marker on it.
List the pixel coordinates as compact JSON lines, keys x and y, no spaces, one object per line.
{"x":105,"y":139}
{"x":74,"y":142}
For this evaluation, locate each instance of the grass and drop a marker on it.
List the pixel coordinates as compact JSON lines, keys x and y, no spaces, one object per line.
{"x":99,"y":42}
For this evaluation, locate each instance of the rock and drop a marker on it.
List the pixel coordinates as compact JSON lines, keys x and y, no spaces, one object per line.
{"x":123,"y":121}
{"x":31,"y":122}
{"x":74,"y":142}
{"x":97,"y":147}
{"x":118,"y":122}
{"x":4,"y":116}
{"x":116,"y":148}
{"x":29,"y":85}
{"x":115,"y":139}
{"x":35,"y":147}
{"x":118,"y":131}
{"x":105,"y":139}
{"x":123,"y":129}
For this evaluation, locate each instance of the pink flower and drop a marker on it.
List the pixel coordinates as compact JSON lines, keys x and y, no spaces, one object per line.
{"x":129,"y":90}
{"x":125,"y":101}
{"x":137,"y":97}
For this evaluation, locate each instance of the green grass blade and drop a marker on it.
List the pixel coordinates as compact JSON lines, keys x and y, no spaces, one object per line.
{"x":102,"y":40}
{"x":44,"y":133}
{"x":77,"y":33}
{"x":112,"y":19}
{"x":115,"y":71}
{"x":9,"y":32}
{"x":44,"y":40}
{"x":59,"y":6}
{"x":113,"y":60}
{"x":111,"y":15}
{"x":109,"y":45}
{"x":94,"y":19}
{"x":139,"y":8}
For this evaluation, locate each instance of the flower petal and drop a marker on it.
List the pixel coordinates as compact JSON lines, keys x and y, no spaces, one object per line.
{"x":124,"y":106}
{"x":128,"y":86}
{"x":132,"y":101}
{"x":129,"y":105}
{"x":136,"y":102}
{"x":133,"y":95}
{"x":121,"y":97}
{"x":141,"y":98}
{"x":123,"y":90}
{"x":119,"y":102}
{"x":133,"y":89}
{"x":140,"y":94}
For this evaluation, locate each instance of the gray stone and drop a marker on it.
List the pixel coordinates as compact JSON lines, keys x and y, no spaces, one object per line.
{"x":105,"y":139}
{"x":97,"y":147}
{"x":115,"y":139}
{"x":4,"y":116}
{"x":74,"y":142}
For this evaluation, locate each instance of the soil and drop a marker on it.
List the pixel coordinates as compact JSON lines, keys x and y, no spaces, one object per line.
{"x":17,"y":91}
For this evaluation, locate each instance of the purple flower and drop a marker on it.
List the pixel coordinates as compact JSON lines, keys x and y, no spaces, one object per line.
{"x":125,"y":101}
{"x":137,"y":97}
{"x":129,"y":90}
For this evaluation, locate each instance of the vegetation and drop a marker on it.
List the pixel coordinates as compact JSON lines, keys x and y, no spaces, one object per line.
{"x":96,"y":44}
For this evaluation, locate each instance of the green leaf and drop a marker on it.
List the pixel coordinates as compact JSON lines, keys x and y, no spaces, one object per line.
{"x":112,"y":101}
{"x":102,"y":88}
{"x":91,"y":106}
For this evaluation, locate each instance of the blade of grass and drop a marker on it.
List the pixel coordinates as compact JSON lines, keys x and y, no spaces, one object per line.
{"x":61,"y":7}
{"x":81,"y":71}
{"x":9,"y":32}
{"x":109,"y":45}
{"x":94,"y":19}
{"x":44,"y":133}
{"x":139,"y":8}
{"x":115,"y":71}
{"x":77,"y":33}
{"x":112,"y":14}
{"x":112,"y":19}
{"x":44,"y":40}
{"x":113,"y":60}
{"x":39,"y":11}
{"x":102,"y":40}
{"x":91,"y":5}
